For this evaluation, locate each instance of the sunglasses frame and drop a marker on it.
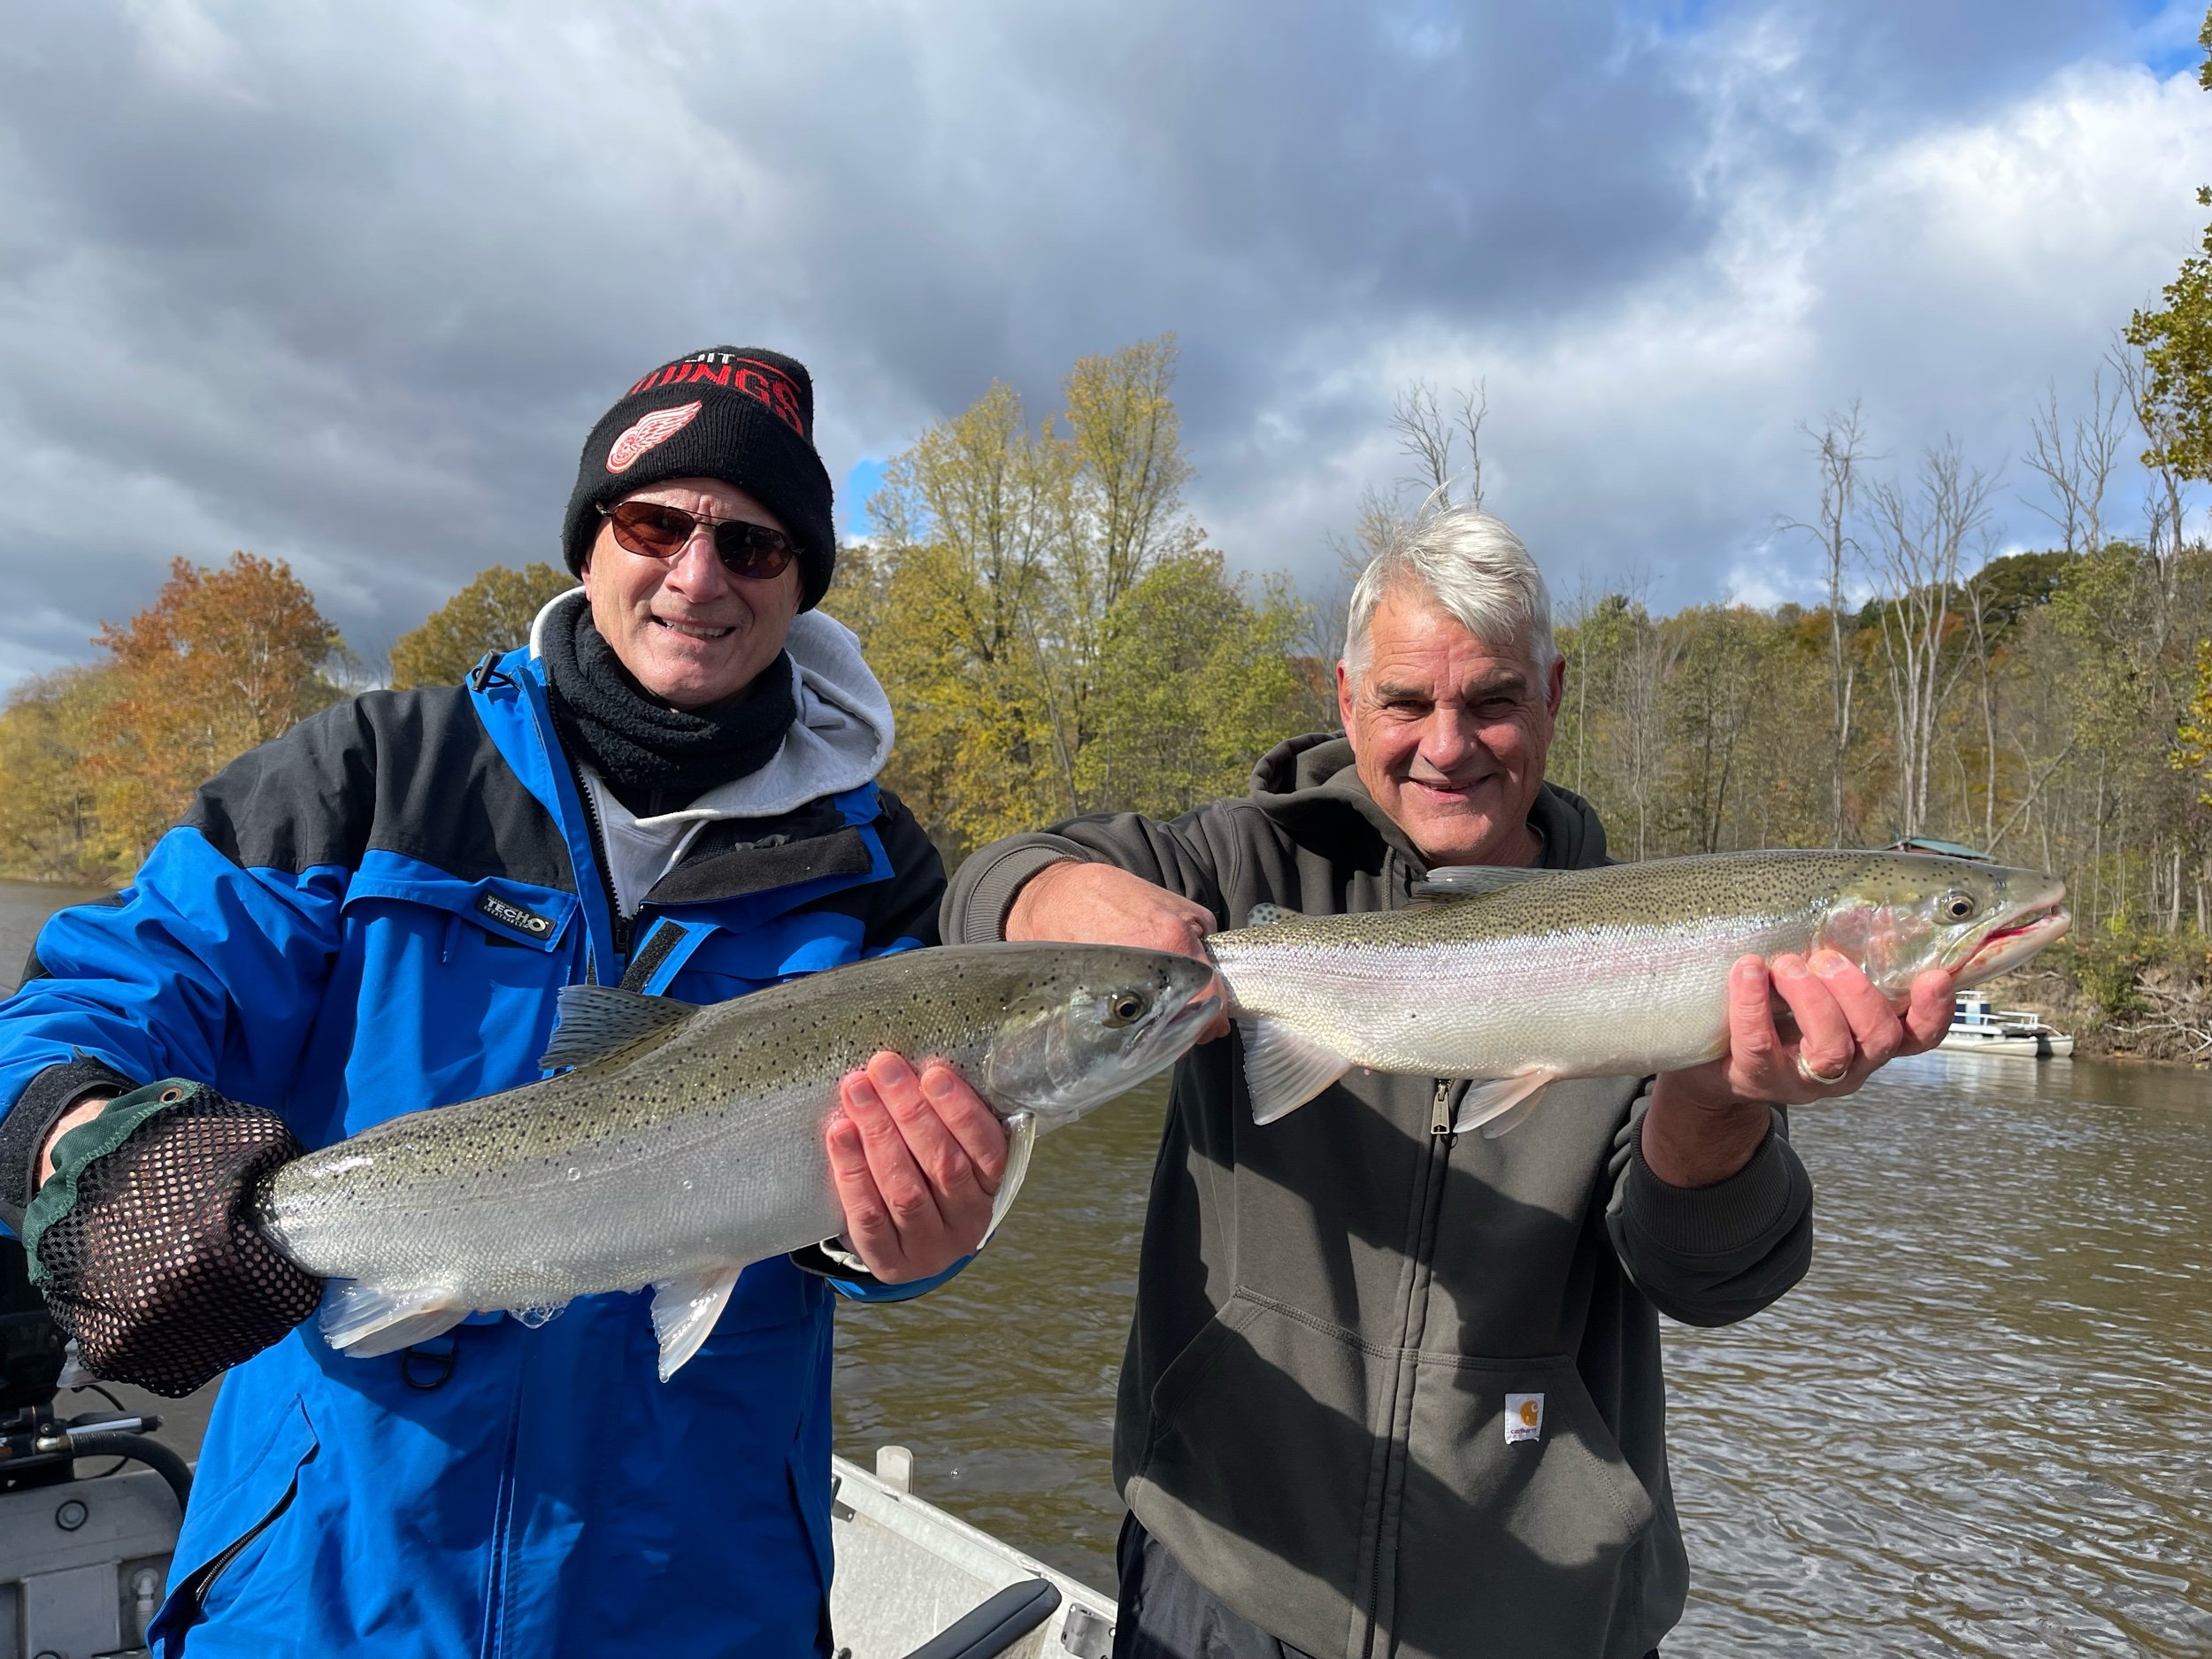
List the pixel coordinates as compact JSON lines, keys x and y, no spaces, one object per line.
{"x":751,"y":543}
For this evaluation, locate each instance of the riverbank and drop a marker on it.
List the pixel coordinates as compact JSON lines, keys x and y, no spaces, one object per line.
{"x":2138,"y":997}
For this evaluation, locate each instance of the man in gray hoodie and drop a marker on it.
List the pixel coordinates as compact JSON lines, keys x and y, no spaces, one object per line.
{"x":1390,"y":1391}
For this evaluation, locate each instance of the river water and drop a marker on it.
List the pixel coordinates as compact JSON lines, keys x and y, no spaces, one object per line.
{"x":1981,"y":1425}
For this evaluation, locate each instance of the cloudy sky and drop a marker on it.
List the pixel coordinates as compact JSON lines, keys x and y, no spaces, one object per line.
{"x":346,"y":285}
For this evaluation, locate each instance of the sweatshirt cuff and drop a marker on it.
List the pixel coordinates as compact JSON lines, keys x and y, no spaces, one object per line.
{"x":990,"y":896}
{"x":37,"y":1109}
{"x":1719,"y":1219}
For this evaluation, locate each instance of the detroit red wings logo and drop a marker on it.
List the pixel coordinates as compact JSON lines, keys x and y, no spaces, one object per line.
{"x":658,"y":427}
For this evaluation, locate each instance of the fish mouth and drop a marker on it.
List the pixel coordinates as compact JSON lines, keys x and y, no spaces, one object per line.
{"x":2027,"y":932}
{"x":1169,"y":1040}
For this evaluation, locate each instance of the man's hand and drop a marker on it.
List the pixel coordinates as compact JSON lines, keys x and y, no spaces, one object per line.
{"x":143,"y":1239}
{"x":1704,"y":1124}
{"x":1098,"y":904}
{"x":917,"y":1160}
{"x":82,"y":1112}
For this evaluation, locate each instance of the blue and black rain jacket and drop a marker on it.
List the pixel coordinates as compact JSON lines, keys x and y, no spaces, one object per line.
{"x":371,"y":915}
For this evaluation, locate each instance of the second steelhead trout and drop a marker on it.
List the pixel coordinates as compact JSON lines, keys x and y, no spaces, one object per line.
{"x":689,"y":1141}
{"x":1518,"y":977}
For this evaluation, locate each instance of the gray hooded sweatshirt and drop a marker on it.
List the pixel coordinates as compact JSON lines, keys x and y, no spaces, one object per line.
{"x":1391,"y":1391}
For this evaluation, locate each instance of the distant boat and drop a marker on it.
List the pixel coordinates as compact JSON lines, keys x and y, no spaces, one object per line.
{"x":1979,"y":1028}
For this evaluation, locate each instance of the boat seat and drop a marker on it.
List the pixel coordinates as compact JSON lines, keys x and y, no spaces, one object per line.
{"x":995,"y":1626}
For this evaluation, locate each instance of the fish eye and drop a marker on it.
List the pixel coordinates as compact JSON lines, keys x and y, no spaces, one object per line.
{"x":1125,"y":1009}
{"x":1956,"y":906}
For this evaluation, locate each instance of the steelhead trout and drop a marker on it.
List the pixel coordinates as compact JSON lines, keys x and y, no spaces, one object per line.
{"x":1519,"y":977}
{"x":687,"y":1143}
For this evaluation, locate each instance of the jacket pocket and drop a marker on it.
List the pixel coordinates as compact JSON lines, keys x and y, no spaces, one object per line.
{"x":1254,"y":1471}
{"x":223,"y":1527}
{"x":1520,"y":1512}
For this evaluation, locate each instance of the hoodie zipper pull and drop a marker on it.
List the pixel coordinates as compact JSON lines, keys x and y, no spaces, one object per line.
{"x":1441,"y":1110}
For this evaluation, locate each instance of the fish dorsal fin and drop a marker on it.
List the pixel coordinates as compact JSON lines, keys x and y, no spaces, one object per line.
{"x":1282,"y":1070}
{"x":685,"y":1309}
{"x":602,"y":1022}
{"x":1268,"y":915}
{"x":1474,"y":881}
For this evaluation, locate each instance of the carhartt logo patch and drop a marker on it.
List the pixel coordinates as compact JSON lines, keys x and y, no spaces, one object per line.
{"x":658,"y":427}
{"x":514,"y":916}
{"x":1523,"y":1417}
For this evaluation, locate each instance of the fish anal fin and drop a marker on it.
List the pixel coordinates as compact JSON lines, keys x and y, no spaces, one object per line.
{"x":1282,"y":1070}
{"x":1474,"y":881}
{"x":364,"y":1322}
{"x":685,"y":1309}
{"x":604,"y":1022}
{"x":1021,"y":1138}
{"x":1500,"y":1103}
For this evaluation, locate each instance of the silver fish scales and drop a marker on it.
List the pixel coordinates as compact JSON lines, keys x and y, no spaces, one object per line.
{"x":687,"y":1143}
{"x":1518,"y":977}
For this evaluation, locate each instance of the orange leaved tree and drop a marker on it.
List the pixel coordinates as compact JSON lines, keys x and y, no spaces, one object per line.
{"x":222,"y":660}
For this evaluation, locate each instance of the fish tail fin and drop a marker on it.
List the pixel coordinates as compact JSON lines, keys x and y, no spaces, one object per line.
{"x":1282,"y":1070}
{"x":364,"y":1322}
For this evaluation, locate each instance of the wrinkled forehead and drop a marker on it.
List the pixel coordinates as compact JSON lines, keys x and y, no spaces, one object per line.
{"x":1414,"y":642}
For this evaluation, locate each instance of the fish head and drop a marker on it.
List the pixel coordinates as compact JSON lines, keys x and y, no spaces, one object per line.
{"x":1093,"y":1021}
{"x":1904,"y":913}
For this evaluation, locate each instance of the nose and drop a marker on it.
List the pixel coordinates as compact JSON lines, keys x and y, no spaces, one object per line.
{"x":696,"y":571}
{"x":1447,"y":738}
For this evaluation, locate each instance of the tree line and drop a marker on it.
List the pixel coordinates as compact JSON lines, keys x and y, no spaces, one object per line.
{"x":1058,"y":636}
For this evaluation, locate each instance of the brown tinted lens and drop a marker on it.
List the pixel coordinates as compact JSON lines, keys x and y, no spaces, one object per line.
{"x":757,"y":552}
{"x":651,"y":530}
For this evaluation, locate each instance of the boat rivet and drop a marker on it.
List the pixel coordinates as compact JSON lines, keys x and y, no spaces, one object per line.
{"x":70,"y":1516}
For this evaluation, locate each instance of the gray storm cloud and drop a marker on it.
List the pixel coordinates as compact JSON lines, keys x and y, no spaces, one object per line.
{"x":346,"y":286}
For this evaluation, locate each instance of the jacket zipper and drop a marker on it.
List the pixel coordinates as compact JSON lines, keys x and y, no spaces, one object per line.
{"x":621,"y":924}
{"x":1421,"y":1246}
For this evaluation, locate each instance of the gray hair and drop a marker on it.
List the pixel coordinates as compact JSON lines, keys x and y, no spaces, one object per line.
{"x":1472,"y":567}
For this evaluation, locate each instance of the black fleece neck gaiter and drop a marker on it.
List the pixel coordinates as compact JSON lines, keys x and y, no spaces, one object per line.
{"x":655,"y":758}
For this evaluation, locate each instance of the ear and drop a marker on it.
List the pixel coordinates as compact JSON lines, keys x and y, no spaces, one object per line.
{"x":1343,"y":696}
{"x":1558,"y":684}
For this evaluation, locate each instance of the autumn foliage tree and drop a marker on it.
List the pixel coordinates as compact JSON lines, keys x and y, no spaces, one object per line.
{"x":1054,"y":633}
{"x":222,"y":660}
{"x":493,"y":613}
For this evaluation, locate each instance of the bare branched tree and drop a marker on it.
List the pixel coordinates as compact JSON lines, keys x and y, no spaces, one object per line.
{"x":2076,"y":462}
{"x":1922,"y":538}
{"x":1431,"y":435}
{"x":1841,"y":446}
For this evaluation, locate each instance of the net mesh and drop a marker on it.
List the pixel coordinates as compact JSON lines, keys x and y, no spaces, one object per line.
{"x":157,"y":1269}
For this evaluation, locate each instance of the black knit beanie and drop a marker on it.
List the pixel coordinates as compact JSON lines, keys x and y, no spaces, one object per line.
{"x":737,"y":413}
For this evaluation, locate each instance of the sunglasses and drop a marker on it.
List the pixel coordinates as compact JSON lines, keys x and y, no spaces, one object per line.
{"x":755,"y":552}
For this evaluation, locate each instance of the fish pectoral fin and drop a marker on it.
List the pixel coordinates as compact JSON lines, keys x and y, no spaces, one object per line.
{"x":684,"y":1311}
{"x":1021,"y":1139}
{"x":598,"y":1022}
{"x":1474,"y":881}
{"x":1282,"y":1070}
{"x":1499,"y":1104}
{"x":364,"y":1322}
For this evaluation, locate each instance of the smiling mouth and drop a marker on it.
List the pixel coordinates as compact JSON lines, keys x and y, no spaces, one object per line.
{"x":691,"y":630}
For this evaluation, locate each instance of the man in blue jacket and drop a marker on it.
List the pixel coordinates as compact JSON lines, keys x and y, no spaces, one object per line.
{"x":671,"y":789}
